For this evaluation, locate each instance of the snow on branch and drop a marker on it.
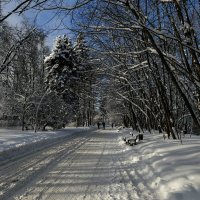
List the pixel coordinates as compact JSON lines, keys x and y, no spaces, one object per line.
{"x":100,"y":28}
{"x":139,"y":66}
{"x":140,"y":109}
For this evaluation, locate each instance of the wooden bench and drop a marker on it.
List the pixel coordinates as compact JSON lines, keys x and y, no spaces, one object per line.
{"x":132,"y":140}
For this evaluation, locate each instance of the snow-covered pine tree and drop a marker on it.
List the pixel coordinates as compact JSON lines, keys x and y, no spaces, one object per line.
{"x":81,"y":55}
{"x":69,"y":75}
{"x":61,"y":71}
{"x":80,"y":61}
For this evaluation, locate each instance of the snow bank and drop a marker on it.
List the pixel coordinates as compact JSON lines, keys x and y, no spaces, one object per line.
{"x":16,"y":142}
{"x":170,"y":168}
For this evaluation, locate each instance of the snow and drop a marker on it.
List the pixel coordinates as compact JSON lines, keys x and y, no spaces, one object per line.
{"x":170,"y":168}
{"x":152,"y":50}
{"x":101,"y":166}
{"x":141,"y":65}
{"x":13,"y":141}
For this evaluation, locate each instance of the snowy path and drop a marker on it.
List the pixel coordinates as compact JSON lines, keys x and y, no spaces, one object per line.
{"x":93,"y":166}
{"x":18,"y":173}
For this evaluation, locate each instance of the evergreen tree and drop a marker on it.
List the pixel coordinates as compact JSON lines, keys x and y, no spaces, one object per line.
{"x":86,"y":76}
{"x":69,"y":75}
{"x":81,"y":53}
{"x":61,"y":71}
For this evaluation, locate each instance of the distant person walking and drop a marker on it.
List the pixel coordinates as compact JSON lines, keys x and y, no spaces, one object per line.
{"x":112,"y":125}
{"x":159,"y":129}
{"x":104,"y":125}
{"x":98,"y":124}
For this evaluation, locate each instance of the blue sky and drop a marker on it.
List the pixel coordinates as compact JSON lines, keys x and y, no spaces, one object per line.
{"x":49,"y":21}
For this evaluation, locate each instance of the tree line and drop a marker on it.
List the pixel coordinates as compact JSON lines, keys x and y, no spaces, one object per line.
{"x":146,"y":57}
{"x":41,"y":88}
{"x":150,"y":51}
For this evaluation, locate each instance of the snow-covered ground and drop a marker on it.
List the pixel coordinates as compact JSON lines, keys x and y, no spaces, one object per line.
{"x":16,"y":141}
{"x":170,"y":168}
{"x":99,"y":165}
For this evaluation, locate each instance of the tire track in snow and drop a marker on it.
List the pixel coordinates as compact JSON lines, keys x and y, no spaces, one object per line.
{"x":45,"y":191}
{"x":68,"y":161}
{"x":18,"y":175}
{"x":95,"y":172}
